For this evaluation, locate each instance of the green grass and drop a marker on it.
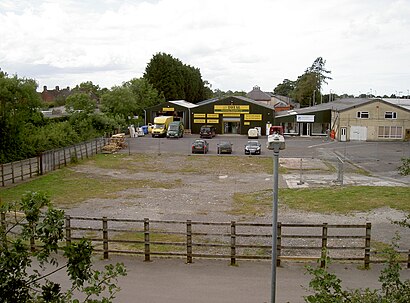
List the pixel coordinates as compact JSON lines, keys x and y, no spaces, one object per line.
{"x":66,"y":187}
{"x":342,"y":200}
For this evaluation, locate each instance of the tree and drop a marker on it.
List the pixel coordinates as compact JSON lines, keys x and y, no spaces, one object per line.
{"x":285,"y":88}
{"x":145,"y":95}
{"x":19,"y":104}
{"x":22,"y":278}
{"x":318,"y":68}
{"x":120,"y":101}
{"x":305,"y":89}
{"x":80,"y":102}
{"x":175,"y":80}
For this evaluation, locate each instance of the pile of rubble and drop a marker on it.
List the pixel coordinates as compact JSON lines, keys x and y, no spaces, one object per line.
{"x":115,"y":143}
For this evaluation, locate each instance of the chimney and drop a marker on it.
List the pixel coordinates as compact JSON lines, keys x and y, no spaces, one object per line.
{"x":57,"y":88}
{"x":45,"y":88}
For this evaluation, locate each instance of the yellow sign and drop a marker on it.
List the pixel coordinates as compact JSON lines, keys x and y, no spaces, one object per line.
{"x":212,"y":115}
{"x":213,"y":121}
{"x":232,"y":115}
{"x":246,"y":123}
{"x":233,"y":109}
{"x":168,"y":109}
{"x":199,"y":115}
{"x":253,"y":117}
{"x":202,"y":121}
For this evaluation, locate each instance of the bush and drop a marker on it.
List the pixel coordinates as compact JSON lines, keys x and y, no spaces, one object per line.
{"x":404,"y":168}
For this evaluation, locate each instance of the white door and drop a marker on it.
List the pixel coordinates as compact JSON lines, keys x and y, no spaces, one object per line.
{"x":358,"y":133}
{"x":343,"y":131}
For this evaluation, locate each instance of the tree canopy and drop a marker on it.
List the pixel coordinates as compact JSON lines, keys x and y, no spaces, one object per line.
{"x":175,"y":80}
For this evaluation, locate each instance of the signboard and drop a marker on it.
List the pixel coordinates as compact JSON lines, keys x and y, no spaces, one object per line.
{"x":213,"y":121}
{"x":233,"y":109}
{"x":212,"y":115}
{"x":232,"y":115}
{"x":246,"y":123}
{"x":253,"y":117}
{"x":305,"y":118}
{"x":201,"y":121}
{"x":168,"y":109}
{"x":199,"y":115}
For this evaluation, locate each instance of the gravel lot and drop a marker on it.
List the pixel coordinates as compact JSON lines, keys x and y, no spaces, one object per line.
{"x":208,"y":196}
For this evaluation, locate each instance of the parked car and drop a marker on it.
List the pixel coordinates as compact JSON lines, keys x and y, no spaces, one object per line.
{"x":207,"y":131}
{"x":253,"y":147}
{"x":200,"y":146}
{"x":253,"y":133}
{"x":224,"y":147}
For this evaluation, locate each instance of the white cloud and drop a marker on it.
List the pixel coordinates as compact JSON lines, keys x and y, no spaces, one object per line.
{"x":236,"y":44}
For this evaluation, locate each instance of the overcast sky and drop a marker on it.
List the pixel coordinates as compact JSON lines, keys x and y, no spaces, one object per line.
{"x":236,"y":44}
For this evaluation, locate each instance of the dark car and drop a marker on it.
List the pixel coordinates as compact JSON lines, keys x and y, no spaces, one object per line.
{"x":224,"y":147}
{"x":200,"y":146}
{"x":207,"y":131}
{"x":253,"y":147}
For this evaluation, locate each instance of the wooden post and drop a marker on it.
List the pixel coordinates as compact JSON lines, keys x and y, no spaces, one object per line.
{"x":40,"y":164}
{"x":188,"y":241}
{"x":324,"y":246}
{"x":67,"y":230}
{"x":367,"y":245}
{"x":146,"y":240}
{"x":81,"y":152}
{"x":22,"y":170}
{"x":279,"y":244}
{"x":65,"y":156}
{"x":105,"y":237}
{"x":408,"y":260}
{"x":233,"y":243}
{"x":86,"y":150}
{"x":29,"y":165}
{"x":96,"y":146}
{"x":12,"y":172}
{"x":2,"y":175}
{"x":53,"y":159}
{"x":3,"y":227}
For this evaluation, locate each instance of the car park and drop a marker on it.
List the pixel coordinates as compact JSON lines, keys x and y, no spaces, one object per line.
{"x":253,"y":147}
{"x":200,"y":146}
{"x":207,"y":131}
{"x":224,"y":147}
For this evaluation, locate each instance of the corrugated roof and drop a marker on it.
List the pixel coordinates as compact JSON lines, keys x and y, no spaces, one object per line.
{"x":405,"y":103}
{"x":258,"y":95}
{"x":183,"y":103}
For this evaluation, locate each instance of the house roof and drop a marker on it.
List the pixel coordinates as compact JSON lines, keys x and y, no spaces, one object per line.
{"x":340,"y":105}
{"x":258,"y":95}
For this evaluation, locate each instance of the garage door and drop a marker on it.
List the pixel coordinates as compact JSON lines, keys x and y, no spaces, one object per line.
{"x":358,"y":133}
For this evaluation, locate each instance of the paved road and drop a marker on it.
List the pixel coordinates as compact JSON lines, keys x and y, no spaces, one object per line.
{"x":214,"y":281}
{"x":379,"y":158}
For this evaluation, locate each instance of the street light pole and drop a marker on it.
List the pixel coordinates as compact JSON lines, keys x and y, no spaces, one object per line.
{"x":274,"y":219}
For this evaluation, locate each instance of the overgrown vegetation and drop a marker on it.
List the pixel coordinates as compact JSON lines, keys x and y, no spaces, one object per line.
{"x":326,"y":286}
{"x":26,"y":270}
{"x":404,"y":168}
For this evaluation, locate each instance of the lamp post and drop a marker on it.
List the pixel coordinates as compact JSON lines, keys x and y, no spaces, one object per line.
{"x":276,"y":143}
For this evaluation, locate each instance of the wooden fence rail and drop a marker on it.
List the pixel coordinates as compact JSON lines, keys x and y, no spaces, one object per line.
{"x":48,"y":161}
{"x":223,"y":240}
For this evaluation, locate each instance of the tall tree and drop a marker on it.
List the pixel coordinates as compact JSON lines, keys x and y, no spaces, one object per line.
{"x":19,"y":104}
{"x":305,"y":88}
{"x":285,"y":88}
{"x":318,"y":68}
{"x":119,"y":101}
{"x":175,"y":80}
{"x":80,"y":102}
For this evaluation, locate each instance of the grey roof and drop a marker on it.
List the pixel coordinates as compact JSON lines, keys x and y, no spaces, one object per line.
{"x":183,"y":103}
{"x":405,"y":103}
{"x":257,"y":94}
{"x":236,"y":97}
{"x":340,"y":105}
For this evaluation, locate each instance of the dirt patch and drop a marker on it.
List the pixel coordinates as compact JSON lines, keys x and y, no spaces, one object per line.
{"x":202,"y":194}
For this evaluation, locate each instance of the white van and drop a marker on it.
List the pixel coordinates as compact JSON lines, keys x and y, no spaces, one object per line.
{"x":253,"y":133}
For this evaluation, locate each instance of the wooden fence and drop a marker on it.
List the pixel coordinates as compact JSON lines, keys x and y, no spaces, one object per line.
{"x":222,"y":240}
{"x":48,"y":161}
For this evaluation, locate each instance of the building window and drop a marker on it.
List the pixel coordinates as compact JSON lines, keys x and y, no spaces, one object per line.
{"x":390,"y":115}
{"x":390,"y":132}
{"x":363,"y":115}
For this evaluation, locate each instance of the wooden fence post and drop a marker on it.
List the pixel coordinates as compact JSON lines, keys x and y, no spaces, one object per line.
{"x":22,"y":170}
{"x":408,"y":260}
{"x":53,"y":157}
{"x":86,"y":149}
{"x":65,"y":156}
{"x":2,"y":175}
{"x":233,"y":243}
{"x":3,"y":227}
{"x":146,"y":240}
{"x":67,"y":230}
{"x":324,"y":246}
{"x":188,"y":241}
{"x":105,"y":237}
{"x":29,"y":165}
{"x":96,"y":146}
{"x":12,"y":172}
{"x":40,"y":164}
{"x":367,"y":245}
{"x":279,"y":244}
